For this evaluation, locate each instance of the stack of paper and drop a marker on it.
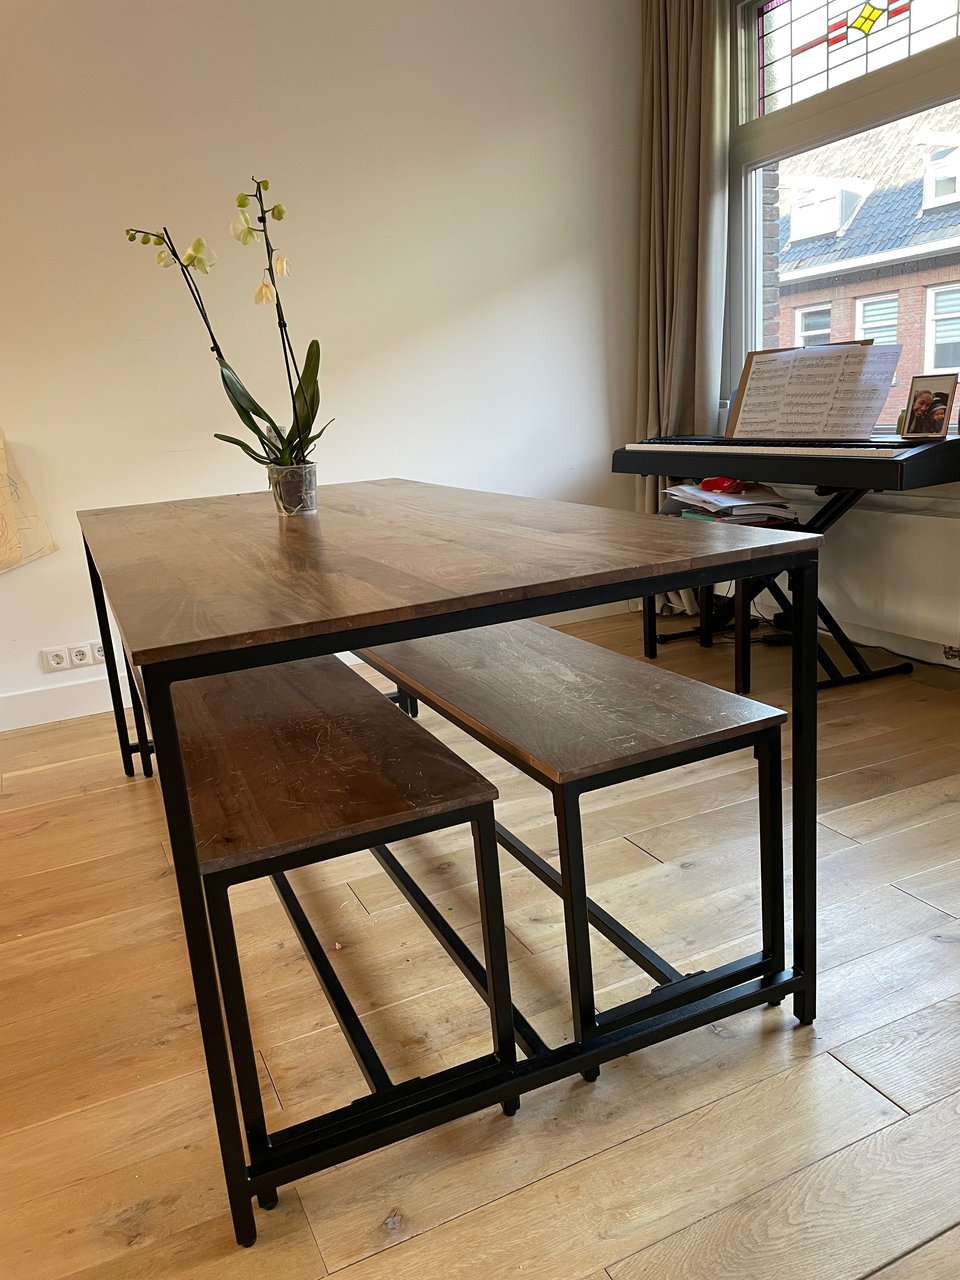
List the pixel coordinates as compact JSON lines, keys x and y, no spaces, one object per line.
{"x":755,"y":505}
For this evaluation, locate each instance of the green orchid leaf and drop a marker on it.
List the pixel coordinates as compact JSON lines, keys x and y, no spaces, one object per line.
{"x":239,"y":394}
{"x":269,"y":443}
{"x":264,"y":462}
{"x":306,"y":400}
{"x":320,"y":432}
{"x":249,"y":422}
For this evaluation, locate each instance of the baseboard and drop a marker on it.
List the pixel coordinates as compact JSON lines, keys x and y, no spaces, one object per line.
{"x":904,"y":646}
{"x":55,"y":702}
{"x":47,"y":704}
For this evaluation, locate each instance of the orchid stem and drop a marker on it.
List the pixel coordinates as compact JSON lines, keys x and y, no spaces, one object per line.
{"x":285,"y":344}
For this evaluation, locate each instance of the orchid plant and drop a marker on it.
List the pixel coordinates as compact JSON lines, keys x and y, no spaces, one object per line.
{"x":274,"y":445}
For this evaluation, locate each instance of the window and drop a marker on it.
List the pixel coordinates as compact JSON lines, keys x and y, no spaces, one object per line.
{"x":805,"y":47}
{"x":877,"y":318}
{"x":813,"y":326}
{"x":822,"y":209}
{"x":844,"y":180}
{"x":941,"y":179}
{"x":943,"y":329}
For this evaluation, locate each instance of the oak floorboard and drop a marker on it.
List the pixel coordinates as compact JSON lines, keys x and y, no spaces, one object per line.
{"x":940,"y":885}
{"x":285,"y":1250}
{"x":47,"y":744}
{"x":915,"y":1061}
{"x":938,"y":1260}
{"x":25,"y":788}
{"x":83,"y":891}
{"x":56,"y":1153}
{"x":897,"y":810}
{"x":566,"y":1224}
{"x":843,"y":1215}
{"x":111,"y":1218}
{"x":63,"y":832}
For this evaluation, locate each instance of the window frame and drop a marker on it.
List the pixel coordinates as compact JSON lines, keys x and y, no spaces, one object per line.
{"x":930,"y":326}
{"x":800,"y":312}
{"x":934,"y":171}
{"x":875,"y":297}
{"x":923,"y":80}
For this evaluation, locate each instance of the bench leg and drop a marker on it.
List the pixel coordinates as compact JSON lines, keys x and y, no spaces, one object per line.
{"x":487,"y":856}
{"x":705,"y":622}
{"x":238,"y":1024}
{"x":566,"y":803}
{"x":741,"y":637}
{"x":650,"y":626}
{"x":771,"y":849}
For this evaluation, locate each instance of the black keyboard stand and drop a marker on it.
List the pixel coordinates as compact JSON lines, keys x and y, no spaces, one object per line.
{"x":837,"y":505}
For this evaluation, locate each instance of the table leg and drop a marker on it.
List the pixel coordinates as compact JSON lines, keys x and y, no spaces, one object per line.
{"x":110,"y":662}
{"x":803,"y":584}
{"x":202,"y":967}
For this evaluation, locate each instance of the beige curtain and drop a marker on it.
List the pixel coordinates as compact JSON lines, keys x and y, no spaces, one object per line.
{"x":683,"y":217}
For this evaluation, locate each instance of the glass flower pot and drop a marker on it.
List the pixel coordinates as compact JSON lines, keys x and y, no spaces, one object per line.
{"x":294,"y":489}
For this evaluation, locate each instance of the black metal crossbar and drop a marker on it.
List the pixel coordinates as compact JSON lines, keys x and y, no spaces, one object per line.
{"x":640,"y":953}
{"x":529,"y":1041}
{"x":355,"y":1130}
{"x":355,"y":1033}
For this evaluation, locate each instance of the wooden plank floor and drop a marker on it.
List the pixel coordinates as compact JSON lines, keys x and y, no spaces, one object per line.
{"x":754,"y":1148}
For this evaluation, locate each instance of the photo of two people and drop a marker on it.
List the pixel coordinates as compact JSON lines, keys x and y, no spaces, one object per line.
{"x":928,"y":409}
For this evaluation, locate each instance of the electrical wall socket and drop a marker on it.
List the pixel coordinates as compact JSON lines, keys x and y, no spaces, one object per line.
{"x":55,"y":659}
{"x":81,"y":655}
{"x":96,"y":648}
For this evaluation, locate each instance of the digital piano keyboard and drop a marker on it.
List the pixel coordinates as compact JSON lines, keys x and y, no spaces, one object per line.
{"x":881,"y":463}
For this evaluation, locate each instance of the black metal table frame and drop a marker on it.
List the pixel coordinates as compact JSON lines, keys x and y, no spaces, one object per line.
{"x":839,"y":502}
{"x":418,"y":1106}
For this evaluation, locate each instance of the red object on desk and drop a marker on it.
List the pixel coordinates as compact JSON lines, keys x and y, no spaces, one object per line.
{"x":722,"y":484}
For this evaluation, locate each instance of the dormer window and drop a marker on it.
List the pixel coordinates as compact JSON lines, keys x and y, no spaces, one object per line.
{"x":822,"y":208}
{"x":941,"y":178}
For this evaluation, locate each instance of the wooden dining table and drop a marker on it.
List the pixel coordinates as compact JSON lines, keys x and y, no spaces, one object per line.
{"x":204,"y":586}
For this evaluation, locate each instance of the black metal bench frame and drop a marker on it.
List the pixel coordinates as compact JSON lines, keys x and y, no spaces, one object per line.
{"x":277,"y":1157}
{"x":675,"y":989}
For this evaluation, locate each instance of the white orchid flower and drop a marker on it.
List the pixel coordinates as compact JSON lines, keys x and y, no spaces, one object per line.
{"x":266,"y":292}
{"x":281,"y":264}
{"x":241,"y":229}
{"x":165,"y":258}
{"x":200,"y":256}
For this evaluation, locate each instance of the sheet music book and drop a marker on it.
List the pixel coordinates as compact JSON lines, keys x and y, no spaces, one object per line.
{"x":832,"y":392}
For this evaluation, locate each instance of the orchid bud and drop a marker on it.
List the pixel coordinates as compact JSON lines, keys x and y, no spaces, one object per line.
{"x":278,"y":212}
{"x":144,"y":239}
{"x":265,"y":293}
{"x":131,"y":237}
{"x":158,"y":239}
{"x":242,"y":200}
{"x":165,"y":258}
{"x":264,"y":184}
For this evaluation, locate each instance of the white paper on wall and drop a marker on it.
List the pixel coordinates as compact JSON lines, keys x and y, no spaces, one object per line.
{"x":24,"y":534}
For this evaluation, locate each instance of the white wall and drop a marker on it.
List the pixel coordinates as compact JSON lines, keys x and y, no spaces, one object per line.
{"x":460,"y":180}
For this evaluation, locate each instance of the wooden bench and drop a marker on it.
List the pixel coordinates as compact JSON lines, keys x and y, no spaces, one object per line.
{"x":303,"y":762}
{"x":576,"y":717}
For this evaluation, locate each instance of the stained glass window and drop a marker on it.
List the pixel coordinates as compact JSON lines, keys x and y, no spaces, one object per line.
{"x":807,"y":46}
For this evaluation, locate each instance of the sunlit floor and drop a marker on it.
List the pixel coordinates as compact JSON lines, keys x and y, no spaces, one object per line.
{"x":753,"y":1148}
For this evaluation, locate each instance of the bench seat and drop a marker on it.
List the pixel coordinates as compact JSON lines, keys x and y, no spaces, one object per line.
{"x":561,"y":709}
{"x":294,"y":757}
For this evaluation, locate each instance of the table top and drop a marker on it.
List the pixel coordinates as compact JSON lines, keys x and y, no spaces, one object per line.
{"x":209,"y":575}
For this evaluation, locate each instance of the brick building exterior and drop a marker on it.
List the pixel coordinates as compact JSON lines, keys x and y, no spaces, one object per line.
{"x":868,"y":217}
{"x":909,"y":280}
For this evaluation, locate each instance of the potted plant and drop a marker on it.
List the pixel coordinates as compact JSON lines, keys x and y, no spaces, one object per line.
{"x":284,"y":451}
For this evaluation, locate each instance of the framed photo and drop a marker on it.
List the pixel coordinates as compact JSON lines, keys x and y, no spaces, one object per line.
{"x":929,"y":405}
